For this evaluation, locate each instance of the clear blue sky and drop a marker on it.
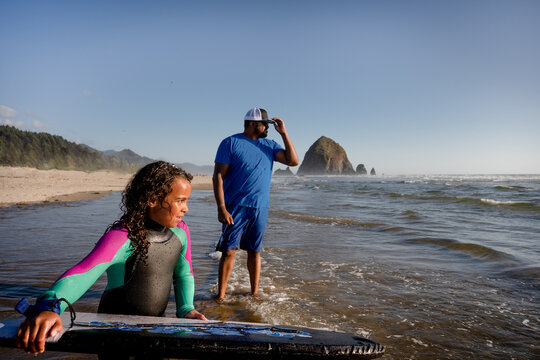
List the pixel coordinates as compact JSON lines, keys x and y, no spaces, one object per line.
{"x":407,"y":87}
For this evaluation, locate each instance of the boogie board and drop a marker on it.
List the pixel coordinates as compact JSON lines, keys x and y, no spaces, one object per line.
{"x":196,"y":339}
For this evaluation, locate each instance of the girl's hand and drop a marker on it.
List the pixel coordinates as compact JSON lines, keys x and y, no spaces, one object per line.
{"x":33,"y":332}
{"x":194,"y":314}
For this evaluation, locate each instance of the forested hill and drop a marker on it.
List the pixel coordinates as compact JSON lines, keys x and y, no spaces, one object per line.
{"x":46,"y":151}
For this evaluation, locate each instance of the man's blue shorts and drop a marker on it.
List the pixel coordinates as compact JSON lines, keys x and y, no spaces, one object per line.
{"x":247,"y":231}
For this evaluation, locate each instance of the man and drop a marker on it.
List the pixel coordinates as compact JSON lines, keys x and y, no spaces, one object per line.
{"x":242,"y":174}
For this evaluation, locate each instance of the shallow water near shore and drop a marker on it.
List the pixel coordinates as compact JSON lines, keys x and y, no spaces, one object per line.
{"x":432,"y":267}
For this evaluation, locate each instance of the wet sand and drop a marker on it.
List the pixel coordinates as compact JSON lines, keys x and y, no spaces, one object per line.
{"x":19,"y":185}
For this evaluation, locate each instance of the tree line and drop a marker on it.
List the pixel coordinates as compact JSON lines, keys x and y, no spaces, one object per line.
{"x":46,"y":151}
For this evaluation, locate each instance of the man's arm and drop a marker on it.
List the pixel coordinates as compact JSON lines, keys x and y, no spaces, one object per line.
{"x":288,"y":156}
{"x":220,"y":172}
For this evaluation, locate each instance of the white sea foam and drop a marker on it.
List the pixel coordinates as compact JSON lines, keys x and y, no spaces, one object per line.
{"x":496,"y":202}
{"x":462,"y":178}
{"x":419,"y":342}
{"x":363,"y":333}
{"x":527,"y":323}
{"x":506,"y":187}
{"x":358,"y":273}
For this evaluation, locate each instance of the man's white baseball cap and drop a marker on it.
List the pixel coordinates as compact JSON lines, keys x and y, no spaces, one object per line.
{"x":258,"y":114}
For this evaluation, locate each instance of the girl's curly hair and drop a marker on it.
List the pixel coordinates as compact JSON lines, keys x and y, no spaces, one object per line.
{"x":153,"y":182}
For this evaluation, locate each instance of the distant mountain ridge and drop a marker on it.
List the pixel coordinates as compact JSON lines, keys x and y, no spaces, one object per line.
{"x":46,"y":151}
{"x":132,"y":157}
{"x":197,"y":169}
{"x":129,"y":156}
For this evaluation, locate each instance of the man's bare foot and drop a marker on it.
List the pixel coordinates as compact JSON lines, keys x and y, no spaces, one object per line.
{"x":219,"y":299}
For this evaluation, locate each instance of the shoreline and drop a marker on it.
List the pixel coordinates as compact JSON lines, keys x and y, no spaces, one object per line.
{"x":22,"y":185}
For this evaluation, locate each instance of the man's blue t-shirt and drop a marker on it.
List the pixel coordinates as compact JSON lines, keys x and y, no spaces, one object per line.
{"x":247,"y":182}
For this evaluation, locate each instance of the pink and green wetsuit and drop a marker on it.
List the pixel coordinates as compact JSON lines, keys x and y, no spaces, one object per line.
{"x":134,"y":287}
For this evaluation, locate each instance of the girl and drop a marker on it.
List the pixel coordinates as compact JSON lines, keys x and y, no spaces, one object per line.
{"x":144,"y":252}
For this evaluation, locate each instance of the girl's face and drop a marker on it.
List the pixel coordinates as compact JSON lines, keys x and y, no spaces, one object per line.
{"x":174,"y":206}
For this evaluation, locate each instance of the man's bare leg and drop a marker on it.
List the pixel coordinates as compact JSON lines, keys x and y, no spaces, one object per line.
{"x":226,"y":264}
{"x":254,"y":268}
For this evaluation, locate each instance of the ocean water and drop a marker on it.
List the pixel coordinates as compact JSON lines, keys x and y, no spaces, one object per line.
{"x":433,"y":267}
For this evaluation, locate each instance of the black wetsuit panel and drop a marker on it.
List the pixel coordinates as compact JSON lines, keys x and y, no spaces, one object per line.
{"x":147,"y":286}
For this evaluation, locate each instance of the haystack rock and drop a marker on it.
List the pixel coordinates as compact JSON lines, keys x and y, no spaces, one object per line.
{"x":286,"y":172}
{"x":361,"y":170}
{"x":326,"y":157}
{"x":372,"y":172}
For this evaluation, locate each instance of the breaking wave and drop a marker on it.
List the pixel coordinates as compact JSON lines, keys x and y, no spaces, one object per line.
{"x":509,"y":204}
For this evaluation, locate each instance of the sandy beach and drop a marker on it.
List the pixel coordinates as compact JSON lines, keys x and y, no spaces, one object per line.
{"x":20,"y":185}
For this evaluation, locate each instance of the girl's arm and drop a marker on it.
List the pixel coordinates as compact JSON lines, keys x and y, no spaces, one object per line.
{"x":183,"y":281}
{"x":113,"y":247}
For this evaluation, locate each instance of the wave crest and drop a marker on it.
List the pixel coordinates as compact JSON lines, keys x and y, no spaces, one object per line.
{"x":509,"y":204}
{"x":326,"y":220}
{"x":472,"y":250}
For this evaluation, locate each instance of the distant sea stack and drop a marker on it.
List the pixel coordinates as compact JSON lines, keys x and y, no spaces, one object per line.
{"x":326,"y":157}
{"x":286,"y":172}
{"x":372,"y":172}
{"x":361,"y":169}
